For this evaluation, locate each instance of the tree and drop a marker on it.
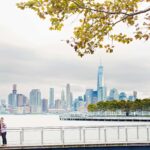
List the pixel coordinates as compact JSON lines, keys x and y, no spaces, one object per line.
{"x":92,"y":107}
{"x":98,"y":20}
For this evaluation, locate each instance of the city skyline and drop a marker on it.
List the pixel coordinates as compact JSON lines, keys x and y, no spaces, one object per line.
{"x":34,"y":57}
{"x":21,"y":104}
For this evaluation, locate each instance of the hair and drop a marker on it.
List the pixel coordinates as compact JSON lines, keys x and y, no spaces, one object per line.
{"x":2,"y":118}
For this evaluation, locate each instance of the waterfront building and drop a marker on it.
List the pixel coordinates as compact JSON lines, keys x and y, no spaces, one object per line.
{"x":68,"y":97}
{"x":12,"y":99}
{"x":102,"y":94}
{"x":89,"y":96}
{"x":21,"y":100}
{"x":63,"y":102}
{"x":21,"y":103}
{"x":2,"y":106}
{"x":51,"y":98}
{"x":79,"y":104}
{"x":35,"y":101}
{"x":135,"y":95}
{"x":94,"y":97}
{"x":71,"y":100}
{"x":113,"y":95}
{"x":101,"y":89}
{"x":44,"y":105}
{"x":122,"y":96}
{"x":58,"y":104}
{"x":131,"y":98}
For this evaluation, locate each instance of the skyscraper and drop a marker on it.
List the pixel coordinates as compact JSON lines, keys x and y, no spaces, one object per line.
{"x":58,"y":104}
{"x":122,"y":96}
{"x":135,"y":95}
{"x":35,"y":101}
{"x":63,"y":99}
{"x":21,"y":100}
{"x":88,"y":96}
{"x":113,"y":95}
{"x":12,"y":98}
{"x":68,"y":96}
{"x":14,"y":89}
{"x":44,"y":105}
{"x":51,"y":98}
{"x":101,"y":89}
{"x":100,"y":77}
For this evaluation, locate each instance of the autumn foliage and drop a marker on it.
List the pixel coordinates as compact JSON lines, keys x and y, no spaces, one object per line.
{"x":97,"y":21}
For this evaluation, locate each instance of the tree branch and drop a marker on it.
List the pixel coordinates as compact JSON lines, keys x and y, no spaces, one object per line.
{"x":112,"y":13}
{"x":132,"y":14}
{"x":102,"y":11}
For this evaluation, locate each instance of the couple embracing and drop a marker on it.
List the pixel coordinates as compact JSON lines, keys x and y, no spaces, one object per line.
{"x":3,"y":131}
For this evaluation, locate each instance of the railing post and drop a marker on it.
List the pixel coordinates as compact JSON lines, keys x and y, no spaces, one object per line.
{"x":62,"y":136}
{"x":147,"y":134}
{"x":84,"y":139}
{"x":137,"y":129}
{"x":21,"y":136}
{"x":105,"y":135}
{"x":118,"y":132}
{"x":42,"y":136}
{"x":126,"y":134}
{"x":99,"y":134}
{"x":80,"y":136}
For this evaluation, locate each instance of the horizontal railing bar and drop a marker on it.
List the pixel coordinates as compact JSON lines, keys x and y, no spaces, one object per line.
{"x":74,"y":127}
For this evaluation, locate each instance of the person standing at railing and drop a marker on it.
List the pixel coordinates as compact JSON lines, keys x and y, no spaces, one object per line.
{"x":3,"y":131}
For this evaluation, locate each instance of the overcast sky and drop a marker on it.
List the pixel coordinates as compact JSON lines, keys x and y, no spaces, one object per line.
{"x":34,"y":57}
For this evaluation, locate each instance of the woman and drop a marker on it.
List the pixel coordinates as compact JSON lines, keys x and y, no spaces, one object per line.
{"x":3,"y":131}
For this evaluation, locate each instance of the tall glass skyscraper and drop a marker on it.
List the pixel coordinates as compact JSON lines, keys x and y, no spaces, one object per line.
{"x":100,"y":77}
{"x":63,"y":99}
{"x":35,"y":101}
{"x":88,"y":96}
{"x":101,"y":89}
{"x":12,"y":98}
{"x":68,"y":96}
{"x":51,"y":98}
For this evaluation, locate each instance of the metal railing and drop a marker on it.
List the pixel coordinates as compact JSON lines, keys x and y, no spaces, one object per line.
{"x":78,"y":135}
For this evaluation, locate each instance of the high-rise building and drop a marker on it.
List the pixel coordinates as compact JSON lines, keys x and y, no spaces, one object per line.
{"x":44,"y":105}
{"x":63,"y":99}
{"x":135,"y":95}
{"x":122,"y":96}
{"x":113,"y":95}
{"x":35,"y":101}
{"x":14,"y":89}
{"x":51,"y":98}
{"x":58,"y":104}
{"x":2,"y":106}
{"x":21,"y":100}
{"x":94,"y":97}
{"x":88,"y":96}
{"x":12,"y":98}
{"x":71,"y":99}
{"x":100,"y":77}
{"x":79,"y":104}
{"x":101,"y":89}
{"x":68,"y":96}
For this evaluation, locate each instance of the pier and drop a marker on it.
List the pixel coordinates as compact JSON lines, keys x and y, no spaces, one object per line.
{"x":80,"y":137}
{"x":104,"y":116}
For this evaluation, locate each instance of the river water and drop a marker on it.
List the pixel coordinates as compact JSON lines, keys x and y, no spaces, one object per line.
{"x":53,"y":120}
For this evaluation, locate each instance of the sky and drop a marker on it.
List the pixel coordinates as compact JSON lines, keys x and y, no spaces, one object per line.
{"x":31,"y":56}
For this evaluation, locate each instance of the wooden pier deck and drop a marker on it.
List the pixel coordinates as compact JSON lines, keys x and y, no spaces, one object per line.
{"x":111,"y":146}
